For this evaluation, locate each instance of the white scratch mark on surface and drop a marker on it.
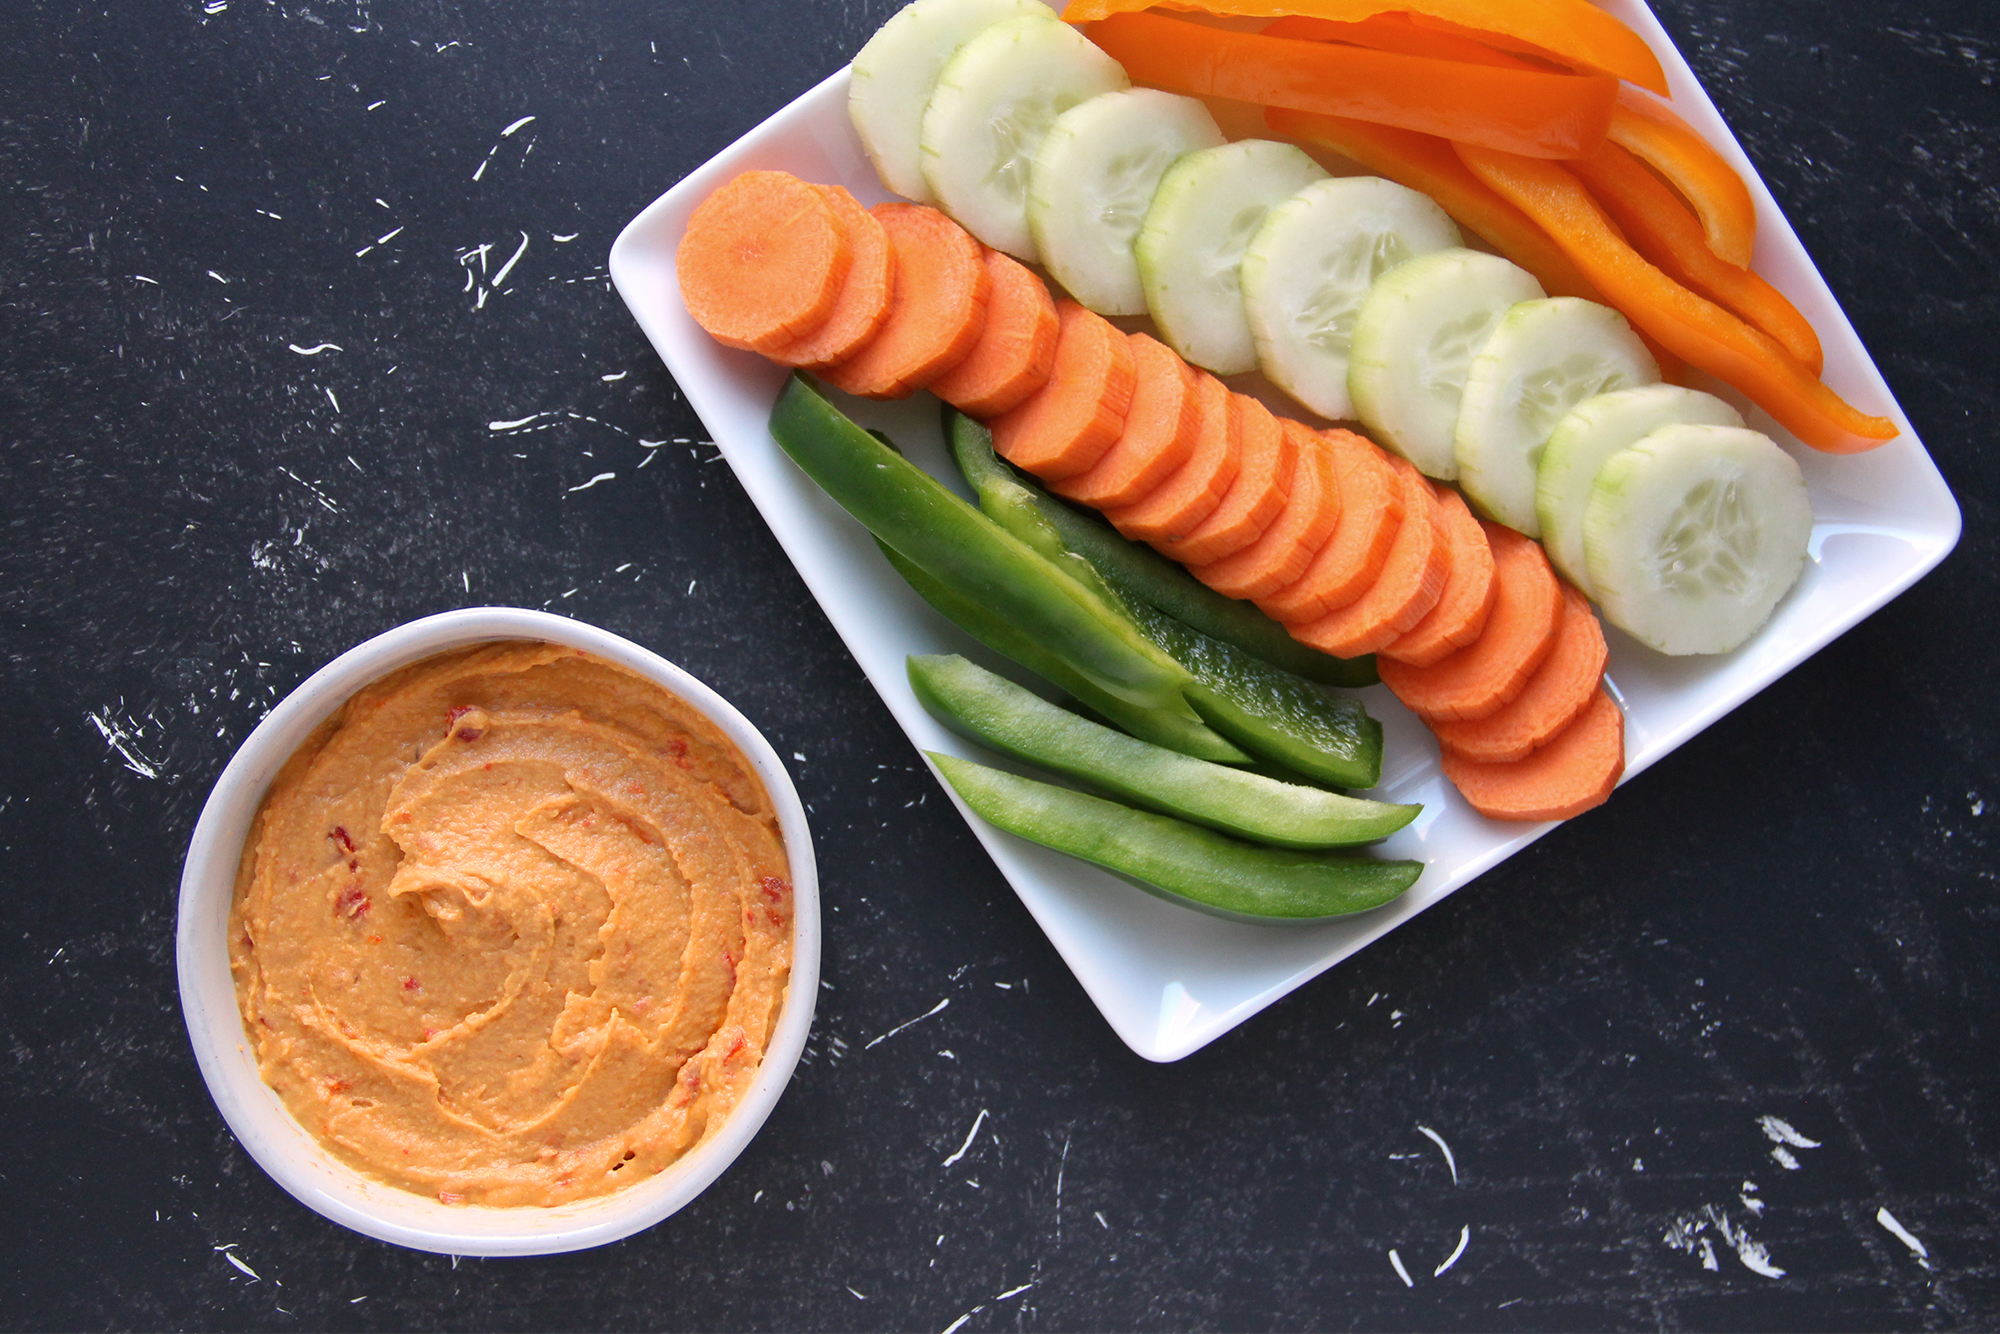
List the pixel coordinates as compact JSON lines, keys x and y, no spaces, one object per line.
{"x":513,"y":425}
{"x":1781,"y":1132}
{"x":1438,"y":1140}
{"x":1401,"y":1272}
{"x":218,"y":277}
{"x":383,"y":103}
{"x":857,"y":1296}
{"x":564,"y":240}
{"x":277,"y":217}
{"x":959,"y":1323}
{"x":613,"y":379}
{"x":970,"y":1135}
{"x":1903,"y":1234}
{"x":514,"y":259}
{"x":331,"y":399}
{"x":1785,"y":1158}
{"x":601,"y":477}
{"x":315,"y":349}
{"x":900,"y":1027}
{"x":1685,"y":1234}
{"x":1464,"y":1236}
{"x":124,"y":739}
{"x":1099,"y":1216}
{"x":140,"y":277}
{"x":318,"y":494}
{"x":389,"y":236}
{"x":508,"y":132}
{"x":239,"y":1264}
{"x":691,"y":584}
{"x":1015,"y":1292}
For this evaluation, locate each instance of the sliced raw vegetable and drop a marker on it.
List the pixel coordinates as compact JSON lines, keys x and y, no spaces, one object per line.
{"x":1397,"y":32}
{"x":895,"y":72}
{"x":1531,"y":111}
{"x":994,"y":101}
{"x":1266,"y":460}
{"x":1594,"y":430}
{"x":865,"y":294}
{"x":1543,"y":359}
{"x":1309,"y":267}
{"x":1016,"y":351}
{"x":1158,"y":436}
{"x":997,"y":713}
{"x":1572,"y":773}
{"x":1462,"y":608}
{"x":1414,"y":340}
{"x":1488,"y":673}
{"x":1093,"y":180}
{"x":1706,"y":335}
{"x":1283,"y":552}
{"x":1348,"y":561}
{"x":1575,"y":33}
{"x":1191,"y":492}
{"x":1651,"y":131}
{"x":1190,"y":247}
{"x":1067,"y":425}
{"x":1410,"y":584}
{"x":1181,"y":862}
{"x":1693,"y":534}
{"x":1560,"y":689}
{"x":939,"y":309}
{"x":762,"y":261}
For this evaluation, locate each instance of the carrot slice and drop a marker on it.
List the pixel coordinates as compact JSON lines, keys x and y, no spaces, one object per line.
{"x":762,"y":261}
{"x":1016,"y":351}
{"x":1371,"y":513}
{"x":1159,"y":435}
{"x":1573,"y":32}
{"x":1558,"y":691}
{"x":1266,"y":461}
{"x":1699,"y":330}
{"x":1285,"y":549}
{"x":1572,"y":773}
{"x":1410,"y":584}
{"x":1487,"y":674}
{"x":1672,"y":147}
{"x":939,"y":308}
{"x":1662,"y":228}
{"x":1192,"y":491}
{"x":1462,"y":608}
{"x":1541,"y":114}
{"x":1068,"y":424}
{"x":864,"y":298}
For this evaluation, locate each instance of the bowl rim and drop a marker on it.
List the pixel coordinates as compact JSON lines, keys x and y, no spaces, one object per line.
{"x":289,"y":1153}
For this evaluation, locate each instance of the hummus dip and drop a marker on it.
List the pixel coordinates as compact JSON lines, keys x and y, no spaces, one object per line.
{"x":512,"y":928}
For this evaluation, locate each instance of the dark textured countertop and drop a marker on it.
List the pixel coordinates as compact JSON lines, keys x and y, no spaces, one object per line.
{"x":1748,"y":1004}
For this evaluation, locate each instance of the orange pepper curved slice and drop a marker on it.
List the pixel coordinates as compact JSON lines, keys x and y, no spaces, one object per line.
{"x":1697,"y":329}
{"x":1401,"y":33}
{"x":1521,"y":111}
{"x":1670,"y":146}
{"x":1662,"y":229}
{"x":1575,"y":33}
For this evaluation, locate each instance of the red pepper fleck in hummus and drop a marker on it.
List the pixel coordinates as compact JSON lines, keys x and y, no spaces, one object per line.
{"x":512,"y":928}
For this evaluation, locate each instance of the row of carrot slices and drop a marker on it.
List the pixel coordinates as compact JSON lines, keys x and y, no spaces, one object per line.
{"x":1350,"y":548}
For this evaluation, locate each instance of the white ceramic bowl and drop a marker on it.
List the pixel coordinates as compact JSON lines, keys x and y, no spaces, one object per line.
{"x":280,"y":1144}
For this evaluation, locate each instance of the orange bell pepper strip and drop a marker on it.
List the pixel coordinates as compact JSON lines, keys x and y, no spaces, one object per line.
{"x":1670,"y":146}
{"x":1573,"y":33}
{"x":1528,"y":112}
{"x":1701,"y":331}
{"x":1401,"y":33}
{"x":1662,"y":229}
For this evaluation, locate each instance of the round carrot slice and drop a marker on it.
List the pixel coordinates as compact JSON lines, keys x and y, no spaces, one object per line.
{"x":1371,"y":511}
{"x":1016,"y":350}
{"x":863,"y":302}
{"x":1192,"y":491}
{"x":1266,"y":459}
{"x":1572,"y":773}
{"x":1068,"y":424}
{"x":1488,"y":673}
{"x":1554,"y":695}
{"x":1159,"y":435}
{"x":1311,"y":513}
{"x":1410,"y":584}
{"x":1461,"y":610}
{"x":762,"y":261}
{"x":938,"y":310}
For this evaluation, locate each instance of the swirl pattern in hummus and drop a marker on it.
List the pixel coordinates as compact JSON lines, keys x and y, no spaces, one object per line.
{"x":513,"y":928}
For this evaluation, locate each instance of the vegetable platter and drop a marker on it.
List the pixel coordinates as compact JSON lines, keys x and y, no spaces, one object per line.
{"x":1168,"y":980}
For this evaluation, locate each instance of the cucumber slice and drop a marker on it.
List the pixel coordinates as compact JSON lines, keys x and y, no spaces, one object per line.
{"x":893,"y":76}
{"x":1694,"y":533}
{"x":1092,"y":181}
{"x":1543,"y":359}
{"x":993,"y":104}
{"x":1311,"y":264}
{"x":1190,"y":247}
{"x":1415,"y":336}
{"x":1594,"y":430}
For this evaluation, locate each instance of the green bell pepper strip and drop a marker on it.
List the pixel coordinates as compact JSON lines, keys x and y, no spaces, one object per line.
{"x":1179,"y":728}
{"x":1177,"y":861}
{"x":968,"y":553}
{"x":1004,"y":717}
{"x":1135,"y":572}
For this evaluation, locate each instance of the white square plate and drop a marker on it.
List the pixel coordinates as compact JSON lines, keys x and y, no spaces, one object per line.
{"x":1169,"y":980}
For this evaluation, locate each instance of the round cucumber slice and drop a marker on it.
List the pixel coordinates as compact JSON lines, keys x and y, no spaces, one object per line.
{"x":1190,"y":249}
{"x":1694,"y":533}
{"x":1542,"y":359}
{"x":994,"y":102}
{"x":1594,"y":430}
{"x":1093,"y":180}
{"x":1415,"y":337}
{"x":893,"y":76}
{"x":1310,"y":265}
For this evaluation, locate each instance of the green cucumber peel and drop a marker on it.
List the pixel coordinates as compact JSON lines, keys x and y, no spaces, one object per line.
{"x":1002,"y":716}
{"x":1175,"y":860}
